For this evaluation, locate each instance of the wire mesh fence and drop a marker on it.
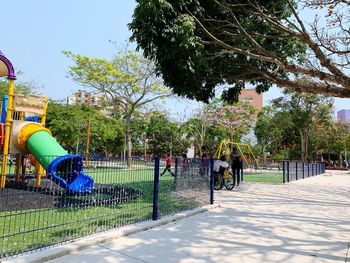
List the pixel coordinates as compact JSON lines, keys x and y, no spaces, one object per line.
{"x":263,"y":172}
{"x":282,"y":172}
{"x":36,"y":212}
{"x":293,"y":171}
{"x":188,"y":186}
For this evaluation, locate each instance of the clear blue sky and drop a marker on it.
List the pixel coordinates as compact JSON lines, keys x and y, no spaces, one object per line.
{"x":34,"y":33}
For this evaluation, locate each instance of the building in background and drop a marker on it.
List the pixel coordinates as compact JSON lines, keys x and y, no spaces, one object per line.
{"x":343,"y":115}
{"x":253,"y":98}
{"x":99,"y":100}
{"x":85,"y":97}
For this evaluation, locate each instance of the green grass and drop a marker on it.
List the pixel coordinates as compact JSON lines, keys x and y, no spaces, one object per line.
{"x":24,"y":230}
{"x":276,"y":178}
{"x":120,"y":176}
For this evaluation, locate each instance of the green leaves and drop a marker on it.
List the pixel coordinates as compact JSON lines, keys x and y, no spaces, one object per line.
{"x":20,"y":87}
{"x":292,"y":121}
{"x":69,"y":125}
{"x":128,"y":83}
{"x":199,"y":45}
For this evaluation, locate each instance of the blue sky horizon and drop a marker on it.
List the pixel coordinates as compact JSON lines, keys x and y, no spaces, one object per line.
{"x":36,"y":32}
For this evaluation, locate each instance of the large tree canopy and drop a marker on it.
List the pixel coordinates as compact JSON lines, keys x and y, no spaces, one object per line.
{"x":198,"y":45}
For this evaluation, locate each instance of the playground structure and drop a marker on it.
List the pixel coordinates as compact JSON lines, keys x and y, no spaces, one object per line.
{"x":225,"y":147}
{"x":21,"y":133}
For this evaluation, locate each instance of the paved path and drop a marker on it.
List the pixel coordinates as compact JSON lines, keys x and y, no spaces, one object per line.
{"x":303,"y":221}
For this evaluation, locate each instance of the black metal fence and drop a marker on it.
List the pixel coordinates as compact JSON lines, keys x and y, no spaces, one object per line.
{"x":36,"y":214}
{"x":293,"y":171}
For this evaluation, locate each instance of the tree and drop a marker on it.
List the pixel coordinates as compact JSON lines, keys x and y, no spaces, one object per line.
{"x":338,"y":143}
{"x":165,"y":136}
{"x":195,"y":129}
{"x":128,"y":81}
{"x":233,"y":121}
{"x":139,"y":125}
{"x":20,"y":87}
{"x":304,"y":112}
{"x":198,"y":45}
{"x":268,"y":131}
{"x":69,"y":125}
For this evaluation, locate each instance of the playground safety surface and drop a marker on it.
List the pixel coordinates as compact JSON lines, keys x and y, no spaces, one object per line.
{"x":22,"y":196}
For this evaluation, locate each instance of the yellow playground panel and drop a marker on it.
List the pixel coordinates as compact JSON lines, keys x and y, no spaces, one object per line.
{"x":245,"y":151}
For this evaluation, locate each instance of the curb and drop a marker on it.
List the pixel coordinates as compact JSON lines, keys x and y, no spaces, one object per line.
{"x":83,"y":243}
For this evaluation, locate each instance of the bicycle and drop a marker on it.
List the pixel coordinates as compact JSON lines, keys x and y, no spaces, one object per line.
{"x":218,"y":181}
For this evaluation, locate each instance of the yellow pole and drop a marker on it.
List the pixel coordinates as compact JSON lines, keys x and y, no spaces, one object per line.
{"x":87,"y":143}
{"x":7,"y":133}
{"x":218,"y":150}
{"x":39,"y":169}
{"x":43,"y":117}
{"x":240,"y":150}
{"x":256,"y":161}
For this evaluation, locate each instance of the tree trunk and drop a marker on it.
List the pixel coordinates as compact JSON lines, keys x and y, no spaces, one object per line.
{"x":264,"y":155}
{"x":145,"y":146}
{"x":128,"y":141}
{"x":329,"y":155}
{"x":306,"y":151}
{"x":304,"y":137}
{"x":129,"y":149}
{"x":302,"y":145}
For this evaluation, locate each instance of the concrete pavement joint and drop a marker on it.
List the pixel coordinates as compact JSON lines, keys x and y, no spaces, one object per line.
{"x":100,"y":238}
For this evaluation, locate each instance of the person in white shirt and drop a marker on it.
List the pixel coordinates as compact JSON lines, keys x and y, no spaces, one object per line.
{"x":221,"y":165}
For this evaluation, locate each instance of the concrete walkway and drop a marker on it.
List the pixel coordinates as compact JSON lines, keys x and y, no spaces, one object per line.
{"x":303,"y":221}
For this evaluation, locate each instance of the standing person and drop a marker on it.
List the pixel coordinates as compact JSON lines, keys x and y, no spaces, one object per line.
{"x":185,"y":164}
{"x":168,"y":164}
{"x":236,"y":164}
{"x":28,"y":164}
{"x":204,"y":169}
{"x":205,"y":152}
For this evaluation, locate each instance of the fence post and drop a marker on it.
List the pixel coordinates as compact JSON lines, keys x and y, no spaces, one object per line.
{"x":155,"y":189}
{"x":242,"y":163}
{"x":316,"y":169}
{"x":211,"y":181}
{"x":296,"y":171}
{"x":176,"y":164}
{"x":303,"y":169}
{"x":284,"y":171}
{"x":288,"y":171}
{"x":308,"y":169}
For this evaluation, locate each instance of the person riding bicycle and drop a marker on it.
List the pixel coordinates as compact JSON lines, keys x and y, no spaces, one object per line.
{"x":221,"y":166}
